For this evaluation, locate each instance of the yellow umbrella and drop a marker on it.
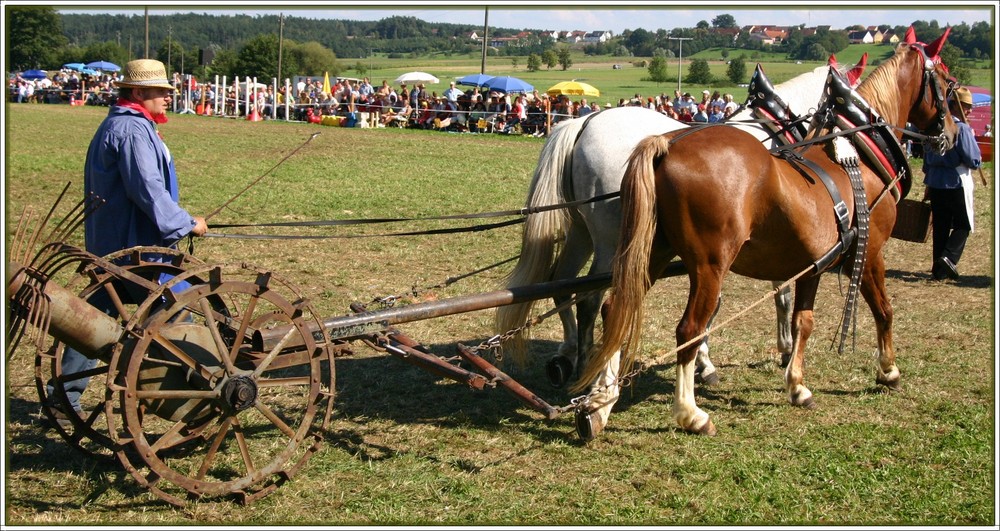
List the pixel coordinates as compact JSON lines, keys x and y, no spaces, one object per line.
{"x":573,"y":88}
{"x":326,"y":83}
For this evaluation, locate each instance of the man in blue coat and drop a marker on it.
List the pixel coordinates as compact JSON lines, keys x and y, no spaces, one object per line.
{"x":949,"y":186}
{"x":129,"y":167}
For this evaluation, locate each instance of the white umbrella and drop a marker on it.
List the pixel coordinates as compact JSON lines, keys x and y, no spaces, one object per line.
{"x":410,"y":78}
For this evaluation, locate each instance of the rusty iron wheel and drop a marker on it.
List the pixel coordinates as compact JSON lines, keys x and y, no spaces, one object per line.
{"x":88,"y":432}
{"x":200,"y":413}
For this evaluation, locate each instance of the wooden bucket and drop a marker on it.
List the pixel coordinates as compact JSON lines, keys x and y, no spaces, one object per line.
{"x":913,"y":221}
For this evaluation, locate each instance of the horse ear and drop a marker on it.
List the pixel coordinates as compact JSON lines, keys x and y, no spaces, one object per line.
{"x":854,"y":74}
{"x":832,"y":61}
{"x":933,"y":49}
{"x":911,"y":36}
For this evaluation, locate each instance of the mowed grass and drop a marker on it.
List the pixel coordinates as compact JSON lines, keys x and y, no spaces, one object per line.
{"x":406,"y":447}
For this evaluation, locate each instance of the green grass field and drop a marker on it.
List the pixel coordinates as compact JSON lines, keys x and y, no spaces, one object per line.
{"x":406,"y":447}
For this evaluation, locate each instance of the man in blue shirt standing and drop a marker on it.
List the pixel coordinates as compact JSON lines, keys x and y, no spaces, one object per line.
{"x":129,"y":167}
{"x":949,"y":186}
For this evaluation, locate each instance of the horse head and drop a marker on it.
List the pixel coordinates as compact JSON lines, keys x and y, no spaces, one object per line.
{"x":935,"y":89}
{"x":912,"y":87}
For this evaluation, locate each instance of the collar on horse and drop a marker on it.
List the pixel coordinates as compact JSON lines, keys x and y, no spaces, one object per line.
{"x":843,"y":108}
{"x":773,"y":112}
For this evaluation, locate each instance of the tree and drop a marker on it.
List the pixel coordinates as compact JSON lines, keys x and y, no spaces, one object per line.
{"x":724,"y":21}
{"x":258,"y":57}
{"x":737,"y":70}
{"x":699,"y":73}
{"x":951,"y":56}
{"x":312,"y":59}
{"x":565,"y":60}
{"x":35,"y":37}
{"x":170,"y":53}
{"x":513,"y":62}
{"x":640,"y":42}
{"x":534,"y":62}
{"x":658,"y":69}
{"x":550,"y":58}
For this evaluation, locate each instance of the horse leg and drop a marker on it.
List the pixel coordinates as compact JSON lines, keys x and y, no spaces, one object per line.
{"x":783,"y":313}
{"x":575,"y":253}
{"x":873,"y":290}
{"x":703,"y":300}
{"x":802,"y":327}
{"x":705,"y":372}
{"x":603,"y":395}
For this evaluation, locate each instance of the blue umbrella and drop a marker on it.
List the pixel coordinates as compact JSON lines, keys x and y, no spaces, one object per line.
{"x":34,"y":74}
{"x":508,"y":84}
{"x":473,"y":80}
{"x":104,"y":66}
{"x":980,"y":100}
{"x":75,"y":66}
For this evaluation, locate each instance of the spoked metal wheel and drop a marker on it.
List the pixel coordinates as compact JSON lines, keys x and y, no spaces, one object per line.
{"x":201,"y":412}
{"x":88,"y":431}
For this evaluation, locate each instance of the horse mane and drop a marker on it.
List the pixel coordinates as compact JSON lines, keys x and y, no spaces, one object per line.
{"x":880,"y":89}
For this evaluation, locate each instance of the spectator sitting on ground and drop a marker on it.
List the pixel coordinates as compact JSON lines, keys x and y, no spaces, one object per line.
{"x":477,"y":113}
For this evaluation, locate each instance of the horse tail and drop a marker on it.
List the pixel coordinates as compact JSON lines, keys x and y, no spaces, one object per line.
{"x":542,"y":231}
{"x":630,"y":269}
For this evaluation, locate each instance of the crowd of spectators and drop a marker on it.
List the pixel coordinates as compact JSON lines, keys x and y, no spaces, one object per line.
{"x":65,"y":86}
{"x":356,"y":102}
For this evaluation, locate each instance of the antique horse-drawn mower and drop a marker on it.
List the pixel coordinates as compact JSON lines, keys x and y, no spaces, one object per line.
{"x":218,"y":380}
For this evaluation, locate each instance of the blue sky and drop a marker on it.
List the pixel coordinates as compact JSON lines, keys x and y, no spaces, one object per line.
{"x":585,"y":15}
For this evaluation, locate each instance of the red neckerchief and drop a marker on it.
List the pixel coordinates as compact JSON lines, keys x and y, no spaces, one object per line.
{"x":129,"y":104}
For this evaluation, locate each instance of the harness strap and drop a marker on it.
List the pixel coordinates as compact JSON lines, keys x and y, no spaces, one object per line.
{"x":840,"y":211}
{"x":861,"y":216}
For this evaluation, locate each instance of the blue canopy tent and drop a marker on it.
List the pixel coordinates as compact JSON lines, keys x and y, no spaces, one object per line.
{"x":34,"y":74}
{"x":508,"y":84}
{"x":104,"y":66}
{"x":474,"y":80}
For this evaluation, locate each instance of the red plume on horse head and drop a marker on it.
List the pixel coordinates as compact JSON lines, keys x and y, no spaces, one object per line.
{"x":854,"y":74}
{"x":933,"y":50}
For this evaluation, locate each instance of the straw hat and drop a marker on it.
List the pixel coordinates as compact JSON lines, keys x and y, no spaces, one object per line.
{"x":964,"y":96}
{"x":144,"y":73}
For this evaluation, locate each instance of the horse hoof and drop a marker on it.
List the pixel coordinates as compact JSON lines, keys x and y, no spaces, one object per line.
{"x":710,"y":379}
{"x":558,"y":369}
{"x":786,"y":358}
{"x":708,"y":429}
{"x":808,"y":403}
{"x":890,"y":384}
{"x":588,"y":426}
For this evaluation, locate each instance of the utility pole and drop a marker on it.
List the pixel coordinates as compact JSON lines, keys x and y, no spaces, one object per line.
{"x":146,"y":56}
{"x":170,"y":44}
{"x":486,"y":39}
{"x":281,"y":33}
{"x":680,"y":55}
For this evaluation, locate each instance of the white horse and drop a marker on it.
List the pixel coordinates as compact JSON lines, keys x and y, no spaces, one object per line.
{"x":585,"y":158}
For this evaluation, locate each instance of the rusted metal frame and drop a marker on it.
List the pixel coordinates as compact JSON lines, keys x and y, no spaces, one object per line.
{"x":401,"y":346}
{"x":74,"y":321}
{"x":496,"y":375}
{"x":365,"y":323}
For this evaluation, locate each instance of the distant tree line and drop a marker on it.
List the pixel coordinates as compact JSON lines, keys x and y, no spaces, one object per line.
{"x":40,"y":37}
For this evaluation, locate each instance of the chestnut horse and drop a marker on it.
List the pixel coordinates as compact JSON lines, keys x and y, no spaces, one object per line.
{"x":585,"y":158}
{"x":738,"y":207}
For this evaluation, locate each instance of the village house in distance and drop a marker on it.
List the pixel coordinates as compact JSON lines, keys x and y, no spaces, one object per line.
{"x":769,"y":35}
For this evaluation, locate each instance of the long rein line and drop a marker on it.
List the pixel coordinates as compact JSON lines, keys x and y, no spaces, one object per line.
{"x":522,"y":212}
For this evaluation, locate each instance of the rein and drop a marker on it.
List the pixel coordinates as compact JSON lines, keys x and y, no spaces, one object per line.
{"x":341,"y":222}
